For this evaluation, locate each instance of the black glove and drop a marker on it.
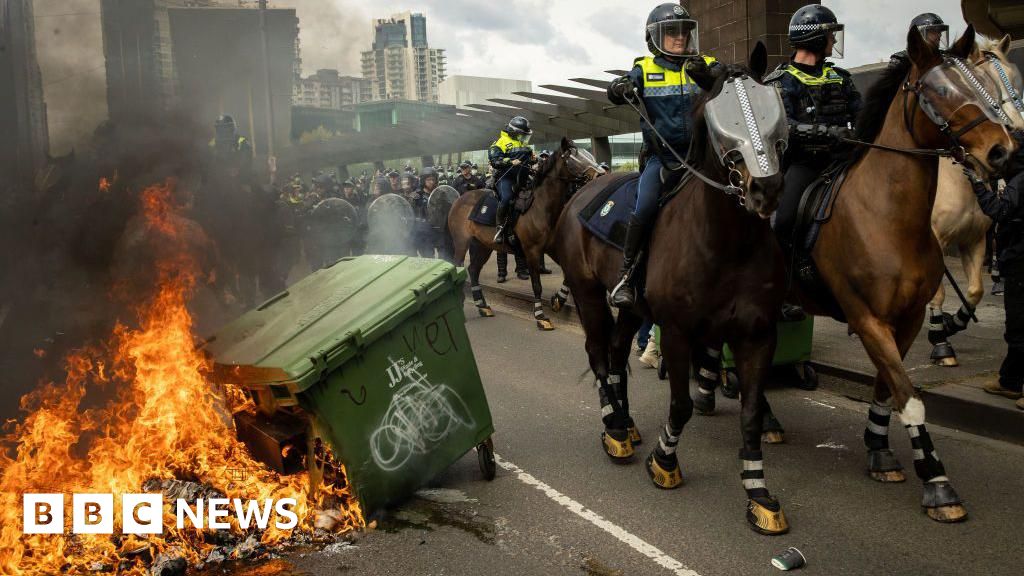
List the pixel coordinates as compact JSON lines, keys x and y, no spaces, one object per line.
{"x":839,"y":132}
{"x":973,"y":177}
{"x":621,"y":89}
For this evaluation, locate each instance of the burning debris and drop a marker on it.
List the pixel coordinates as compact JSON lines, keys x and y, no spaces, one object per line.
{"x":136,"y":413}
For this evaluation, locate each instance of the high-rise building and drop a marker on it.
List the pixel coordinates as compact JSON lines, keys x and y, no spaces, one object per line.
{"x":401,"y":65}
{"x":464,"y":90}
{"x":24,"y":144}
{"x":328,"y":89}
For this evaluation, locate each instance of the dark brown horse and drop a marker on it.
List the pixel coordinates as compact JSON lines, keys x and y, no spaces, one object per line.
{"x":554,"y":183}
{"x":715,"y":274}
{"x":877,"y":255}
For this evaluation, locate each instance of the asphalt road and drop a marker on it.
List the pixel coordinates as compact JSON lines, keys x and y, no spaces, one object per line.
{"x":559,"y":506}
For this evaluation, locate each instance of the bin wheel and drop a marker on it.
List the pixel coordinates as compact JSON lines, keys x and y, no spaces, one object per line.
{"x":662,"y":369}
{"x":730,"y":384}
{"x":485,"y":456}
{"x":808,"y":376}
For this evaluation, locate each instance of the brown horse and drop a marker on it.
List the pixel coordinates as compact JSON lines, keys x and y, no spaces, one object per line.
{"x":554,"y":183}
{"x":877,"y":255}
{"x":715,"y":274}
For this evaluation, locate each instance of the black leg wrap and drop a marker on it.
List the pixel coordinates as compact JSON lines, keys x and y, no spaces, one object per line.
{"x":876,"y":434}
{"x":620,"y":384}
{"x":753,"y":474}
{"x":926,"y":460}
{"x":665,"y":451}
{"x":958,"y":323}
{"x":936,"y":329}
{"x":611,"y":410}
{"x":707,"y":365}
{"x":478,"y":296}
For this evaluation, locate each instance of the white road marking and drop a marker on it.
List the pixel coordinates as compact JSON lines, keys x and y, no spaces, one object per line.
{"x":833,"y":446}
{"x":829,"y":406}
{"x":634,"y":542}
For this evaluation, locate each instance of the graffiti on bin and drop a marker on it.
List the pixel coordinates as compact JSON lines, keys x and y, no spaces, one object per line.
{"x":437,"y":335}
{"x":420,"y":416}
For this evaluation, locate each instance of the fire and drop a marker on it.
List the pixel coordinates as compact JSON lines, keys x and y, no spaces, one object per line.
{"x":133,"y":409}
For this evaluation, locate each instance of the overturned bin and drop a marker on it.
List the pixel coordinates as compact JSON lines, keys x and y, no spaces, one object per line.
{"x":371,"y":357}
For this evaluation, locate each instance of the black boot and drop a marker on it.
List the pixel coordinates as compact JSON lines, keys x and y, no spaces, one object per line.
{"x":499,"y":237}
{"x":624,"y":293}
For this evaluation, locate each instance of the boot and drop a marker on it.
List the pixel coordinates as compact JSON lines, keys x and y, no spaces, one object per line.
{"x":499,"y":237}
{"x":650,"y":356}
{"x":624,"y":294}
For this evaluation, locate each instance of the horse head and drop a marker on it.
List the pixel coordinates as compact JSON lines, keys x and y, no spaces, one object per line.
{"x":740,"y":130}
{"x":570,"y":164}
{"x":993,"y":61}
{"x":962,"y":103}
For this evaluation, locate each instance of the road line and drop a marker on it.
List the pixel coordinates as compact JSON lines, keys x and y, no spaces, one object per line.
{"x":634,"y":542}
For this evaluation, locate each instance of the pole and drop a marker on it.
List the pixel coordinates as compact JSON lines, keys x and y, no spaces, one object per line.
{"x":266,"y":83}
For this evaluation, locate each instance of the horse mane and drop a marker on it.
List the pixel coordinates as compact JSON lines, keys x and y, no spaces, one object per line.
{"x":700,"y":150}
{"x":877,"y":102}
{"x":546,"y":167}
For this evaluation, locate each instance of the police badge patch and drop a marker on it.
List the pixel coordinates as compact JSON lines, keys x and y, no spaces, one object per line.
{"x":607,"y":208}
{"x":678,"y":10}
{"x":483,"y":209}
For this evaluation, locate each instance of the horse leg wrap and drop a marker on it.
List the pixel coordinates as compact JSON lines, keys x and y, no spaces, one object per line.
{"x":876,"y":434}
{"x":958,"y":323}
{"x":668,"y":440}
{"x":753,"y":474}
{"x":478,"y":296}
{"x":926,"y":461}
{"x":502,"y":263}
{"x":662,"y":464}
{"x":563,"y":294}
{"x":707,"y":369}
{"x":538,"y":310}
{"x":936,"y":329}
{"x":611,"y":409}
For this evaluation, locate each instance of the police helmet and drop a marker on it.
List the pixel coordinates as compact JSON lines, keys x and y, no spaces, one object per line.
{"x":934,"y":30}
{"x":671,"y":32}
{"x":519,"y":127}
{"x":811,"y":27}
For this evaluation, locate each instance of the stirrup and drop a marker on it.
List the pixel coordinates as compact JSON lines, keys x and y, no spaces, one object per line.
{"x":499,"y":235}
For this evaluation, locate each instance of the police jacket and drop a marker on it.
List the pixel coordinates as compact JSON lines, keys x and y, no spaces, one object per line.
{"x":506,"y":149}
{"x":1007,"y":211}
{"x":818,"y":97}
{"x":463,"y":185}
{"x":668,"y":95}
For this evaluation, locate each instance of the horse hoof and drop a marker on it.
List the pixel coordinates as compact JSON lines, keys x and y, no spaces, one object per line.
{"x":634,"y":436}
{"x":556,"y":304}
{"x":950,"y":362}
{"x":545,"y":325}
{"x":765,"y":516}
{"x":888,"y":476}
{"x":485,"y":311}
{"x":664,"y":479}
{"x":703,"y":403}
{"x":947,"y":514}
{"x":773,"y":437}
{"x":619,"y":450}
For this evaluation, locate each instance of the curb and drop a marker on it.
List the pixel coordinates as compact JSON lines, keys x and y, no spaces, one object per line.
{"x":952,"y":405}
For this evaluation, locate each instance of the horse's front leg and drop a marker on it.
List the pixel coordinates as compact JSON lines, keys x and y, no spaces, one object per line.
{"x":533,"y":262}
{"x":663,"y":463}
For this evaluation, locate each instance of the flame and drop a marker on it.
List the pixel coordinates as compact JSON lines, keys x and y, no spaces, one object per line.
{"x":160,"y":420}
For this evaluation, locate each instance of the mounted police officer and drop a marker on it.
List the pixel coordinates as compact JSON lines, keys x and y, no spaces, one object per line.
{"x":821,"y":105}
{"x":661,"y":84}
{"x":466,"y":181}
{"x":934,"y":31}
{"x":510,"y":156}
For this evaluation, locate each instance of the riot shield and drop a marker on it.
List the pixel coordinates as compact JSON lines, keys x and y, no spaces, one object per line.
{"x":439,"y":204}
{"x":390,"y":224}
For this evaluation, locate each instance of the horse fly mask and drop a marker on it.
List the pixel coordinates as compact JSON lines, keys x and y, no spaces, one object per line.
{"x":749,"y":120}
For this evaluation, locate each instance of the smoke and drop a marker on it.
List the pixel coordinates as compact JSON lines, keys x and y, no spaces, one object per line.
{"x":69,"y":46}
{"x":332,"y":33}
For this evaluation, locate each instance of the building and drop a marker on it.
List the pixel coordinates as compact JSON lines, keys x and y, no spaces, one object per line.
{"x":328,"y":89}
{"x":461,"y":91}
{"x":25,"y":145}
{"x":377,"y":115}
{"x":401,"y":65}
{"x":994,"y":18}
{"x":729,"y":29}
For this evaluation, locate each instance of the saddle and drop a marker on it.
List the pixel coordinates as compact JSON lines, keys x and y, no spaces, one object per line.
{"x":813,"y":211}
{"x":486,"y":209}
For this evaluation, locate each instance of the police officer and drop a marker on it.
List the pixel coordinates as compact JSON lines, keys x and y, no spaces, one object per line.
{"x":394,"y":183}
{"x":821,"y":105}
{"x":934,"y":31}
{"x":1007,"y":212}
{"x":232,"y":149}
{"x":466,"y":180}
{"x":510,"y":156}
{"x":662,"y":85}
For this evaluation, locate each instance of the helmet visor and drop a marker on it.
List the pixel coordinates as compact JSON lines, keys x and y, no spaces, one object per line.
{"x":936,"y":34}
{"x":525,"y":138}
{"x":675,"y":37}
{"x":835,"y":33}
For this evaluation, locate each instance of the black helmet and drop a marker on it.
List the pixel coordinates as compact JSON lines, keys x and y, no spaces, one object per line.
{"x":465,"y":165}
{"x":349,"y":183}
{"x":933,"y":29}
{"x":544,"y":154}
{"x":519,"y":127}
{"x":428,"y":172}
{"x":811,"y":26}
{"x":670,"y":21}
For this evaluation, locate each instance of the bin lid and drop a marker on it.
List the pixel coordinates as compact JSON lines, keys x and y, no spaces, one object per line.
{"x":322,"y":321}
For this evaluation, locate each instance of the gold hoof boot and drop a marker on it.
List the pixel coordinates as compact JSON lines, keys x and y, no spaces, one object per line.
{"x":486,"y":311}
{"x":773,"y":437}
{"x":545,"y":325}
{"x":634,"y":436}
{"x":765,"y":516}
{"x":618,"y":450}
{"x":664,"y":479}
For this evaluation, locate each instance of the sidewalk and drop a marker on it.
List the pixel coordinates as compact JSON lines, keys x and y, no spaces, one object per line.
{"x":953,"y":395}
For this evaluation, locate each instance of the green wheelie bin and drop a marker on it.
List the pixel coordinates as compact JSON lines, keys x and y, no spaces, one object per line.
{"x":369,"y":356}
{"x":793,"y":348}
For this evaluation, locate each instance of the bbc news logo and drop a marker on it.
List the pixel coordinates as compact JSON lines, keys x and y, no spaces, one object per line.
{"x":143,"y":513}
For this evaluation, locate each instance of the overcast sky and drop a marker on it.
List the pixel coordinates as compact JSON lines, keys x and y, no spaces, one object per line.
{"x":549,"y":41}
{"x":544,"y":41}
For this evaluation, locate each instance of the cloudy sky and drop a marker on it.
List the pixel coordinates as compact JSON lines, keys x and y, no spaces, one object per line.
{"x":545,"y":41}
